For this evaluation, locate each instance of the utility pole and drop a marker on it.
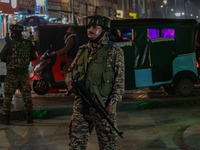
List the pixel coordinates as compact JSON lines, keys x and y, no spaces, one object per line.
{"x":72,"y":11}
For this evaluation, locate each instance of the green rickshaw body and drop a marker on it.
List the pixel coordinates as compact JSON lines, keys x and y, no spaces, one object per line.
{"x":157,"y":51}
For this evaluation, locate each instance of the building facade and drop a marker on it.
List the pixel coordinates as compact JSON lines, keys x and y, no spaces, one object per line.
{"x":60,"y":11}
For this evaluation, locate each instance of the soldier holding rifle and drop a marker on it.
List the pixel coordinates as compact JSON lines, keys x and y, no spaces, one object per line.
{"x":99,"y":66}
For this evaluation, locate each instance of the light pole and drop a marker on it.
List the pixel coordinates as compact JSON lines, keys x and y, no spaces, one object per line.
{"x":165,"y":2}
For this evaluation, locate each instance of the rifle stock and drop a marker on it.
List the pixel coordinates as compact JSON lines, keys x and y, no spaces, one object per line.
{"x":91,"y":101}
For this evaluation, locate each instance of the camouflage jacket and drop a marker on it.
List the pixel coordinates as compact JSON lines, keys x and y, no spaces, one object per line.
{"x":115,"y":60}
{"x":17,"y":54}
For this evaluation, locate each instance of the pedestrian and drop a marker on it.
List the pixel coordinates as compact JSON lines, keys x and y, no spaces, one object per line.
{"x":7,"y":38}
{"x":70,"y":50}
{"x":17,"y":54}
{"x":30,"y":37}
{"x":99,"y":65}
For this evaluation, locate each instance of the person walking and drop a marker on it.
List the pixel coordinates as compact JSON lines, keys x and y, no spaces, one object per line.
{"x":99,"y":66}
{"x":70,"y":49}
{"x":7,"y":37}
{"x":17,"y":54}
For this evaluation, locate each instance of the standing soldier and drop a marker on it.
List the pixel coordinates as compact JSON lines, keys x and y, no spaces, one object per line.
{"x":17,"y":54}
{"x":99,"y":65}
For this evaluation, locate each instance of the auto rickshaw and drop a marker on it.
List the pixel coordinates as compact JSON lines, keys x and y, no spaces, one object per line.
{"x":158,"y":52}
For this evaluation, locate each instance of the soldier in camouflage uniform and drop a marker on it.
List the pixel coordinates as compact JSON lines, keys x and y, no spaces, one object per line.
{"x":99,"y":65}
{"x":17,"y":54}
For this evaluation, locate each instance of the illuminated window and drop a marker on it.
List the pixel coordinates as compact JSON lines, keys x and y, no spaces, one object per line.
{"x":160,"y":33}
{"x":153,"y":33}
{"x":168,"y":33}
{"x":121,"y":35}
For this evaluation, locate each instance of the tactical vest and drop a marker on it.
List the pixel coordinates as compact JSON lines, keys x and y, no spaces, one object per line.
{"x":20,"y":57}
{"x":94,"y":73}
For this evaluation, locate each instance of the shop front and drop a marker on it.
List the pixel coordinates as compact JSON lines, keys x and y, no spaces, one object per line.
{"x":8,"y":10}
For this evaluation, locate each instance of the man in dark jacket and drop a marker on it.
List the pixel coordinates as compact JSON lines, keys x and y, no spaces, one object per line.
{"x":17,"y":54}
{"x":70,"y":49}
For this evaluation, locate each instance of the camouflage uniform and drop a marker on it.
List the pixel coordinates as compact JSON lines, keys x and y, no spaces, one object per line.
{"x":82,"y":122}
{"x":17,"y":54}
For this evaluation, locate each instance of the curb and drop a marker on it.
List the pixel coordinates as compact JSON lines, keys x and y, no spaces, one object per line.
{"x":122,"y":106}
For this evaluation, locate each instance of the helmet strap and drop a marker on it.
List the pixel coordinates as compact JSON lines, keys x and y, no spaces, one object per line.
{"x":98,"y":38}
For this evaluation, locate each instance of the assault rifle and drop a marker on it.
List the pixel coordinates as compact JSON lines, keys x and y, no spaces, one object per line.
{"x":91,"y":101}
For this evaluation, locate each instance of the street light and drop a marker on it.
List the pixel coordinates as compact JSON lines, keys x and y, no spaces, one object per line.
{"x":178,"y":14}
{"x":165,"y":2}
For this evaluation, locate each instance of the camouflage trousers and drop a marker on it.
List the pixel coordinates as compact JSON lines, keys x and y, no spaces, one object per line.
{"x":81,"y":125}
{"x":12,"y":83}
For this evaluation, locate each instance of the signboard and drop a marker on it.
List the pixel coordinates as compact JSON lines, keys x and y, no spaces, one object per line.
{"x":134,"y":15}
{"x":9,"y":6}
{"x":40,"y":7}
{"x":119,"y":13}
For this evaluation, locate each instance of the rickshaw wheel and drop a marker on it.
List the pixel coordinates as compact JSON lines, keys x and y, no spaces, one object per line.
{"x":40,"y":87}
{"x":185,"y":87}
{"x":169,"y":89}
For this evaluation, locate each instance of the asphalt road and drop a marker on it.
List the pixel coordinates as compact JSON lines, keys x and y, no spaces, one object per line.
{"x":171,"y":128}
{"x":172,"y":125}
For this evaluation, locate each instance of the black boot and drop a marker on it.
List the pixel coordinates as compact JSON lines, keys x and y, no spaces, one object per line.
{"x":29,"y":118}
{"x":6,"y":120}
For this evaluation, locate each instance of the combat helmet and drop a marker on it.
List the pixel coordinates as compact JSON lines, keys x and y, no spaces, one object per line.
{"x":16,"y":28}
{"x":102,"y":21}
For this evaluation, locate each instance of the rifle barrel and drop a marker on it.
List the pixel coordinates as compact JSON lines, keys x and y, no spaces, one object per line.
{"x":91,"y":101}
